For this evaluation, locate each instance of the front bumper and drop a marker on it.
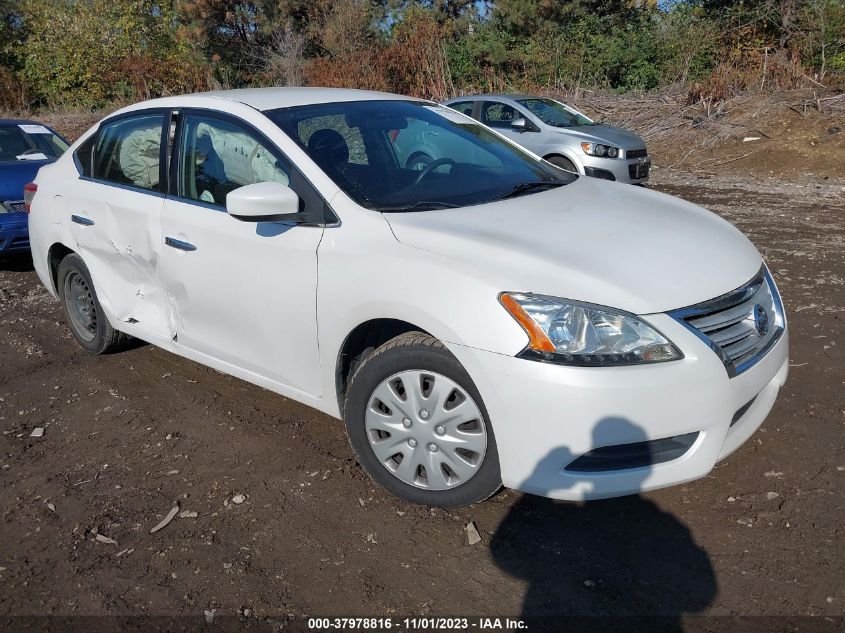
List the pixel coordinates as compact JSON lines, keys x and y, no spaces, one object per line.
{"x":631,"y":171}
{"x":545,"y":416}
{"x":14,"y":233}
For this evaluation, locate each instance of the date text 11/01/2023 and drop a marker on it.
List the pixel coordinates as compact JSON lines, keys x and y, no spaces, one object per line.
{"x":417,"y":624}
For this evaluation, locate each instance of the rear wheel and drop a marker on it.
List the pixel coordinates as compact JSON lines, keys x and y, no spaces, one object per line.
{"x":418,"y":425}
{"x":563,"y":163}
{"x":83,"y":312}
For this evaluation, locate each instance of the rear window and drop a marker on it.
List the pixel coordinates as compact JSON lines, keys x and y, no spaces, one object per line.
{"x":29,"y":141}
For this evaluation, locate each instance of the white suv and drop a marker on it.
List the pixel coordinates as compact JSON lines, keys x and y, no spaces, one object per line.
{"x":489,"y":319}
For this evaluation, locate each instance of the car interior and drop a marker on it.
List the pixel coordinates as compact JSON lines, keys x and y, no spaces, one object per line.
{"x":218,"y":158}
{"x":363,"y":157}
{"x":128,"y":152}
{"x":498,"y":114}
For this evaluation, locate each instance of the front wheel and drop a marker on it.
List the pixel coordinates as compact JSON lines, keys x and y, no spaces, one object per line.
{"x":82,"y":309}
{"x":418,"y":425}
{"x":563,"y":163}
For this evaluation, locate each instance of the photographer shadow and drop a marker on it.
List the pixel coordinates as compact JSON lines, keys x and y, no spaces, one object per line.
{"x":623,"y":559}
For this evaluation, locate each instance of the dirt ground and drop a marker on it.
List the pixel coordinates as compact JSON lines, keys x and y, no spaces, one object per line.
{"x":128,"y":435}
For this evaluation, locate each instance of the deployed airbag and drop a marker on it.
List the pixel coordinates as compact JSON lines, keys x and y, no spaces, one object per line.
{"x":139,"y":157}
{"x":244,"y":160}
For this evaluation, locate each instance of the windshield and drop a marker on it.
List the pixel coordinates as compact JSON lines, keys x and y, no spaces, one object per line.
{"x":555,"y":114}
{"x":28,"y":141}
{"x":409,"y":155}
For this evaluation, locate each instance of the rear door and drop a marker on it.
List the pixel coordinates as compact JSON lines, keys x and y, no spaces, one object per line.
{"x":243,"y":293}
{"x":464,"y":107}
{"x":114,"y":211}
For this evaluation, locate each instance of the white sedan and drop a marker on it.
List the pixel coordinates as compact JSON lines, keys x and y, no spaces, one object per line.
{"x":487,"y":320}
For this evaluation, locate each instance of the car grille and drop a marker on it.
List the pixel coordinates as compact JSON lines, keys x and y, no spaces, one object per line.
{"x":635,"y":172}
{"x":636,"y":153}
{"x":13,"y":206}
{"x":741,"y":326}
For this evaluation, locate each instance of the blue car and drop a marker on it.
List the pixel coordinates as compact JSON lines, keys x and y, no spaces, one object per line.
{"x":25,"y":147}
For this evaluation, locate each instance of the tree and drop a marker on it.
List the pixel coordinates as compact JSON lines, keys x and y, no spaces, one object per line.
{"x":91,"y":52}
{"x":12,"y":31}
{"x":346,"y":45}
{"x":821,"y":25}
{"x":280,"y":57}
{"x":525,"y":17}
{"x":221,"y":23}
{"x":12,"y":35}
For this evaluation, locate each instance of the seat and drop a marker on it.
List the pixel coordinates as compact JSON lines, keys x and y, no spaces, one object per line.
{"x":329,"y":150}
{"x":210,"y":182}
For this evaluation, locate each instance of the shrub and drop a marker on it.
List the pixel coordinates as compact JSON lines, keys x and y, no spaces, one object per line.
{"x":89,"y":53}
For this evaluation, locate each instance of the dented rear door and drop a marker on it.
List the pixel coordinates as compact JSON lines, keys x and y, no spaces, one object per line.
{"x":114,"y":211}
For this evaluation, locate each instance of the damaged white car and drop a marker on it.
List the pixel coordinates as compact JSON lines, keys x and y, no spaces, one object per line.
{"x":489,"y":319}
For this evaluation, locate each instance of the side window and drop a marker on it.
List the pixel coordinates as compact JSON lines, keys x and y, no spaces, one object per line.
{"x":128,"y":152}
{"x":464,"y":107}
{"x":217,"y":157}
{"x":327,"y":135}
{"x":498,"y":115}
{"x":84,"y":155}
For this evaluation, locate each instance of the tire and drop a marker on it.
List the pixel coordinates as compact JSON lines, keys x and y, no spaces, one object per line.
{"x":451,"y":476}
{"x":418,"y":161}
{"x":563,"y":163}
{"x":86,"y":320}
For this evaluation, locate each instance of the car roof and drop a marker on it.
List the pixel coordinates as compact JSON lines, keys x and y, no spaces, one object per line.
{"x":272,"y":98}
{"x":20,"y":122}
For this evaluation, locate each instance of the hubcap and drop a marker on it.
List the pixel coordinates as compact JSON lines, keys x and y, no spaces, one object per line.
{"x":444,"y":444}
{"x":81,"y":308}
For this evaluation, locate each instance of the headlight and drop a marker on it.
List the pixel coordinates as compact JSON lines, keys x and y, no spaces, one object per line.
{"x":586,"y":335}
{"x":602,"y":151}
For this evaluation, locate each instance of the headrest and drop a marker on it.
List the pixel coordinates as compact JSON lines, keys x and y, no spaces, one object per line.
{"x":327,"y":147}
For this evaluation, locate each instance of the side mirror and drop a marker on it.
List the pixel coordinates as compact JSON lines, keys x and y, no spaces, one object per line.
{"x":520,"y":124}
{"x":264,"y":202}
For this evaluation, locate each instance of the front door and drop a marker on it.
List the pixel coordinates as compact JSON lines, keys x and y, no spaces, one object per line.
{"x":243,"y":293}
{"x":500,"y":115}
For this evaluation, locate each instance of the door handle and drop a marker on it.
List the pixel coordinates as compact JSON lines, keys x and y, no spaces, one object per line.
{"x":179,"y":244}
{"x":82,"y":220}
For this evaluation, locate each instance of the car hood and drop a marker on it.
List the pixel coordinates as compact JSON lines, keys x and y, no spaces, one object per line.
{"x":13,"y":176}
{"x":607,"y":134}
{"x":604,"y":243}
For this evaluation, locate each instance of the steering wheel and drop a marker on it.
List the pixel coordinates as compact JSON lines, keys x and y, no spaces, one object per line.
{"x":29,"y":152}
{"x":431,"y":167}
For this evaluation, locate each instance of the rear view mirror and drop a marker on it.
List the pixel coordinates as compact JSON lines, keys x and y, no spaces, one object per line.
{"x":264,"y":202}
{"x":519,"y":124}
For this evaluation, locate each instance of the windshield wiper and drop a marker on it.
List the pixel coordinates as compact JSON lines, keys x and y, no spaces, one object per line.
{"x":525,"y":187}
{"x":424,"y":205}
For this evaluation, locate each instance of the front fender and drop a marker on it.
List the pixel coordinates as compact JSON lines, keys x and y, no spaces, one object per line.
{"x":366,"y":275}
{"x":566,"y":153}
